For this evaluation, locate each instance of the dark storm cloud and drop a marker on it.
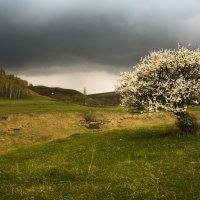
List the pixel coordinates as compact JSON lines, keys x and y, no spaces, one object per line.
{"x":97,"y":34}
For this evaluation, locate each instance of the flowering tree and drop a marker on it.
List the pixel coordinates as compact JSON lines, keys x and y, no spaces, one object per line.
{"x":164,"y":80}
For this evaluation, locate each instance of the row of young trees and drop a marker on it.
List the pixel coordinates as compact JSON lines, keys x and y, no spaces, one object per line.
{"x":12,"y":87}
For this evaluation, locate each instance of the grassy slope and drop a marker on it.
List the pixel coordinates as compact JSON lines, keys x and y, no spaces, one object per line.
{"x":40,"y":119}
{"x":48,"y":90}
{"x":107,"y":98}
{"x":120,"y":164}
{"x":67,"y":95}
{"x":41,"y":104}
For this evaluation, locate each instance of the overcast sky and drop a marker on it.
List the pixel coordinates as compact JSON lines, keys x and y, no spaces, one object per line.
{"x":86,"y":43}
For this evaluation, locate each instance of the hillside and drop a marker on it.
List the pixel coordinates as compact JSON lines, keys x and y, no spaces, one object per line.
{"x":108,"y":98}
{"x":67,"y":95}
{"x":53,"y":90}
{"x":74,"y":96}
{"x":57,"y":93}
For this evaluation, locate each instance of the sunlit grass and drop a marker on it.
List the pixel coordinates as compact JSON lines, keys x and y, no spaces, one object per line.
{"x":121,"y":164}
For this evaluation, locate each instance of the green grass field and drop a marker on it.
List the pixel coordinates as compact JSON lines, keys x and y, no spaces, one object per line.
{"x":136,"y":163}
{"x":40,"y":104}
{"x":124,"y":164}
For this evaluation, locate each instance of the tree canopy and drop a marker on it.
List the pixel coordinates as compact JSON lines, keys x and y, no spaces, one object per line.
{"x":12,"y":87}
{"x":164,"y":79}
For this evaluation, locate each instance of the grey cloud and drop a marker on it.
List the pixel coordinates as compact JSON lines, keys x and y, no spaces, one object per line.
{"x":105,"y":35}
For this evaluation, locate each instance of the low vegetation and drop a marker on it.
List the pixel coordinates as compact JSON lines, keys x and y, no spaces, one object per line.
{"x":45,"y":105}
{"x":120,"y":164}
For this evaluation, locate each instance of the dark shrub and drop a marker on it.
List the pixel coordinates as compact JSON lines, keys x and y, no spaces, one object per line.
{"x":187,"y":123}
{"x":90,"y":117}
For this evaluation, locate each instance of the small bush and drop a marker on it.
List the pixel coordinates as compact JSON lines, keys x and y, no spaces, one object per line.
{"x":187,"y":123}
{"x":90,"y":117}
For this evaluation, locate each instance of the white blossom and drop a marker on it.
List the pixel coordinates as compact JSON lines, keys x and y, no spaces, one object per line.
{"x":165,"y":79}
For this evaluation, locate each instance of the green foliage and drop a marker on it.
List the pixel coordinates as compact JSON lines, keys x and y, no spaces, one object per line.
{"x":187,"y":123}
{"x":119,"y":164}
{"x":12,"y":87}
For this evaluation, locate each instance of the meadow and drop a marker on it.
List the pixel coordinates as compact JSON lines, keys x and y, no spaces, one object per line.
{"x":42,"y":104}
{"x":48,"y":153}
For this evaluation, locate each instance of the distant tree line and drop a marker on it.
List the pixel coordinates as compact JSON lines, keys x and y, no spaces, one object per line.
{"x":12,"y":87}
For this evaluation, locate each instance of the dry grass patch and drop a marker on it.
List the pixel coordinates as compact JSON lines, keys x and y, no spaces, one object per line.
{"x":23,"y":130}
{"x":26,"y":129}
{"x":127,"y":120}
